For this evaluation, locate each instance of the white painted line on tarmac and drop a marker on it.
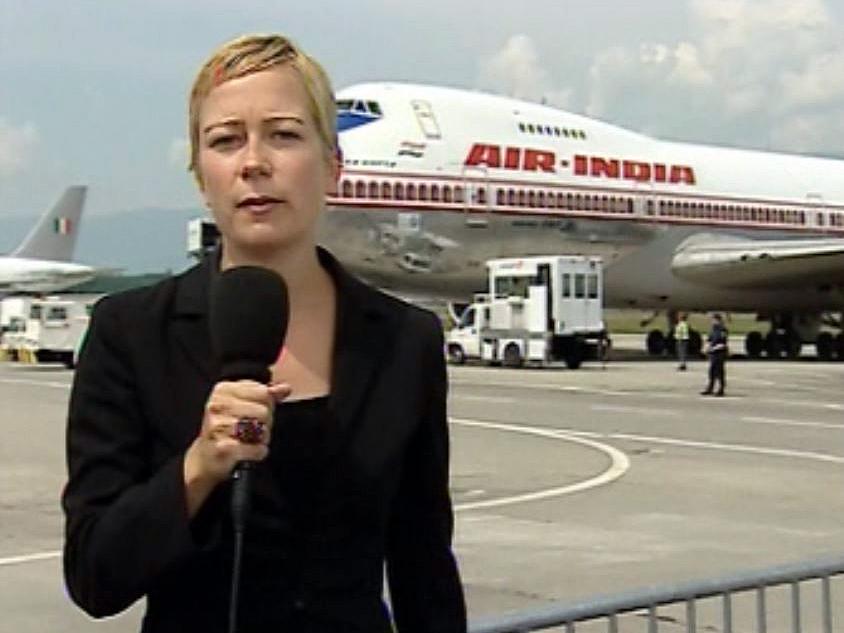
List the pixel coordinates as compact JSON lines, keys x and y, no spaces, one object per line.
{"x":35,"y":383}
{"x":782,"y":422}
{"x":622,"y":409}
{"x":536,"y":386}
{"x":488,"y":399}
{"x":619,"y":464}
{"x":832,"y":406}
{"x":736,"y":448}
{"x":29,"y":558}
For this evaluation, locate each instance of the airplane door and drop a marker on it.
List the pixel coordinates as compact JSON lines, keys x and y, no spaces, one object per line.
{"x":476,"y":197}
{"x":644,"y":205}
{"x":816,"y":215}
{"x":426,"y":119}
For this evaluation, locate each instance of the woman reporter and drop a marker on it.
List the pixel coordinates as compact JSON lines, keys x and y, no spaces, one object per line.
{"x":353,"y":442}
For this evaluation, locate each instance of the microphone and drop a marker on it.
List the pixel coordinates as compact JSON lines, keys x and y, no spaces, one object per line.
{"x":248,"y":321}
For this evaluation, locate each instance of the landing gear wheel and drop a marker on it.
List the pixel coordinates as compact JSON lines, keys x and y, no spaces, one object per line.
{"x":825,"y":346}
{"x":793,"y":347}
{"x":655,"y":343}
{"x":773,"y":345}
{"x":695,"y":343}
{"x":839,"y":347}
{"x":753,"y":344}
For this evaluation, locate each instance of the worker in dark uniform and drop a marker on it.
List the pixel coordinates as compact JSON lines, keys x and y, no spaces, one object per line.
{"x":716,"y":347}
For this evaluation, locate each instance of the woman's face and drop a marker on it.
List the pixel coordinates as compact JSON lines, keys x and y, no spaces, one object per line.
{"x":263,"y":170}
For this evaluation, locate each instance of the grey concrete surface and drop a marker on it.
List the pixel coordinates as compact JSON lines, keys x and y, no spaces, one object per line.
{"x":640,"y":481}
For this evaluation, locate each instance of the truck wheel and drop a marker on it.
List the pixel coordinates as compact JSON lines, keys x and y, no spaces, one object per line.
{"x":574,"y":354}
{"x":512,"y":356}
{"x":456,"y":355}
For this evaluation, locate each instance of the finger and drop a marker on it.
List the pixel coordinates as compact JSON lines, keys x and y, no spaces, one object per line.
{"x":250,"y":390}
{"x":235,"y":452}
{"x":230,"y":406}
{"x":280,"y":391}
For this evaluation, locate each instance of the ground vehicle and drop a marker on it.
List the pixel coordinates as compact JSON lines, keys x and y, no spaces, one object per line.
{"x":13,"y":314}
{"x":55,"y":329}
{"x":541,"y":309}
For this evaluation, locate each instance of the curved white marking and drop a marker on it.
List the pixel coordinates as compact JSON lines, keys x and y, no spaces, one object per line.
{"x":618,"y":466}
{"x":735,"y":448}
{"x":29,"y":558}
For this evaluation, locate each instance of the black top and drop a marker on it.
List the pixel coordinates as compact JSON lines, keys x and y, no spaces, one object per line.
{"x":286,"y":487}
{"x":717,"y":339}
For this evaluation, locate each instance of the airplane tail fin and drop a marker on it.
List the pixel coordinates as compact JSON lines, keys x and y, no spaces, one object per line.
{"x":54,"y":236}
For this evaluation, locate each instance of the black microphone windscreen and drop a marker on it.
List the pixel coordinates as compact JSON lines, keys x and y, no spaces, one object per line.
{"x":248,"y":320}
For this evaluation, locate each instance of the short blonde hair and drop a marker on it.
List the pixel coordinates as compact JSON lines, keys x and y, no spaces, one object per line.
{"x":250,"y":54}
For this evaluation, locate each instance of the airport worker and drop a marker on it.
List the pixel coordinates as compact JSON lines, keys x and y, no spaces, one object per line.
{"x":350,"y":434}
{"x":681,"y":336}
{"x":716,"y":348}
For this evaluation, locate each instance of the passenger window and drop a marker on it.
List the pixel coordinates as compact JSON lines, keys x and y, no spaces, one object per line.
{"x":566,"y":286}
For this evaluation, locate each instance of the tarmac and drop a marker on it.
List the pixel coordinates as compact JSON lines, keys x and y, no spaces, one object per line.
{"x":566,"y":484}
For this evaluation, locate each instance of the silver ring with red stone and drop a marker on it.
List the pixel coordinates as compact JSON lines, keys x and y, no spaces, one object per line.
{"x":249,"y":430}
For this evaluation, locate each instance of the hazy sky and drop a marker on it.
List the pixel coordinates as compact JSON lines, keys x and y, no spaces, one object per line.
{"x":95,"y":91}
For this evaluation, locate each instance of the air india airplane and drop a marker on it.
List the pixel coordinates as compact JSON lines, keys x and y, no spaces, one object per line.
{"x":438,"y":180}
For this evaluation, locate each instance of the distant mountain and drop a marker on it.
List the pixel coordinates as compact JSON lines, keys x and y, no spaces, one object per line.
{"x":138,"y":241}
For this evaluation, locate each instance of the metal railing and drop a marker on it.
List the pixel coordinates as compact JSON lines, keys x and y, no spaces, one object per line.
{"x":610,"y":608}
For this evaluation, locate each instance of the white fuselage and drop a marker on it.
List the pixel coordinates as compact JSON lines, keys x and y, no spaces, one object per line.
{"x":18,"y":274}
{"x":436,"y":181}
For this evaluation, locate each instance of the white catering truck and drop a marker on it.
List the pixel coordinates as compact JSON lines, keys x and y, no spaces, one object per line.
{"x":55,"y":329}
{"x":541,"y":310}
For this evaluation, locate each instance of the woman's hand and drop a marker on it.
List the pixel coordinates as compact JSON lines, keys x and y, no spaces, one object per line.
{"x":218,"y":447}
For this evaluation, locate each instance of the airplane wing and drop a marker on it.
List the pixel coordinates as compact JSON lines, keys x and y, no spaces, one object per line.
{"x":734,"y":262}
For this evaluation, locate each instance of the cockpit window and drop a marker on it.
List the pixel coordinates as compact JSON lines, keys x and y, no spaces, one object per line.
{"x":352,"y":113}
{"x":360,"y":106}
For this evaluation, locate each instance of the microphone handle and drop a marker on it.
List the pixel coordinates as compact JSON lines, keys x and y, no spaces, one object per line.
{"x":241,"y":501}
{"x":241,"y":494}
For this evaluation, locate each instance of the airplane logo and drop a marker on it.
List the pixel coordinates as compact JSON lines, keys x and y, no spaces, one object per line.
{"x":527,"y":159}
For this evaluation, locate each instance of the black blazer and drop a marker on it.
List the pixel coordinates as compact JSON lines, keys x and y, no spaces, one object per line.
{"x":144,"y":374}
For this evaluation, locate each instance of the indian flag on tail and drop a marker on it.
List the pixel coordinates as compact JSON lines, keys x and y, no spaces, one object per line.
{"x":62,"y":226}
